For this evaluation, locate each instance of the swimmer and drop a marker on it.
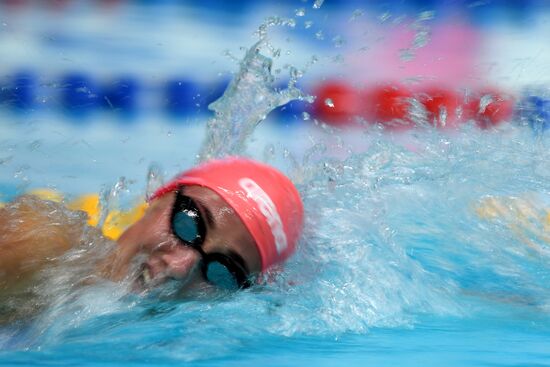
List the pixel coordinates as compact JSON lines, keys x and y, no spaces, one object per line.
{"x":219,"y":224}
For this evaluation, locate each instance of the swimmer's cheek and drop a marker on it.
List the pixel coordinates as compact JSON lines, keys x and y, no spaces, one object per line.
{"x":141,"y":237}
{"x":115,"y":267}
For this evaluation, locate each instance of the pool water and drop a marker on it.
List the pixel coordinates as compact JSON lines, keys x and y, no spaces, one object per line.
{"x":421,"y":247}
{"x":402,"y":261}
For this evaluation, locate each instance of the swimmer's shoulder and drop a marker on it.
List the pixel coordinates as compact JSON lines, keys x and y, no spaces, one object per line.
{"x":34,"y":235}
{"x":33,"y":232}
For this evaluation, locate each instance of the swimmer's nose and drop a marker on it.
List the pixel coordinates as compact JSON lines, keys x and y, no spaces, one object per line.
{"x":182,"y":262}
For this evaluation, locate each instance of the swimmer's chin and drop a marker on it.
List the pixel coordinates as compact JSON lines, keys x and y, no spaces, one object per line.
{"x":146,"y":282}
{"x":140,"y":277}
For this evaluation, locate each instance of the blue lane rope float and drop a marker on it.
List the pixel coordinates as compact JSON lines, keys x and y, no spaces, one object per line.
{"x":182,"y":97}
{"x":534,"y":109}
{"x":19,"y":91}
{"x":79,"y":94}
{"x":121,"y":95}
{"x":539,"y":118}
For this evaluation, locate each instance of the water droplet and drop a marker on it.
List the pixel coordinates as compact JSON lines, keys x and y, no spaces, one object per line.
{"x":20,"y":172}
{"x":442,"y":116}
{"x":308,"y":24}
{"x":318,"y":4}
{"x":338,"y":59}
{"x":329,"y":102}
{"x":406,"y":55}
{"x":35,"y":145}
{"x":426,"y":15}
{"x":155,"y":179}
{"x":309,"y":99}
{"x":300,"y":12}
{"x":269,"y":152}
{"x":109,"y":199}
{"x":459,"y":112}
{"x":356,"y":14}
{"x":384,"y":17}
{"x":320,"y":35}
{"x":421,"y":38}
{"x":5,"y":160}
{"x":485,"y":101}
{"x":296,"y":74}
{"x":400,"y":19}
{"x":306,"y":116}
{"x":338,"y":41}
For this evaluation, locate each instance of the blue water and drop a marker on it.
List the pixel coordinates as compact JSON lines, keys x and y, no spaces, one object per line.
{"x":452,"y":342}
{"x":396,"y":267}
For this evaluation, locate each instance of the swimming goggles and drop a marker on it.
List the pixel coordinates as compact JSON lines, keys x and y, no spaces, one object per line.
{"x":223,"y":270}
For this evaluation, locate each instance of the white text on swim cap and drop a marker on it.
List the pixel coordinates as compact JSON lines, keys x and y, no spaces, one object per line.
{"x":268,"y":209}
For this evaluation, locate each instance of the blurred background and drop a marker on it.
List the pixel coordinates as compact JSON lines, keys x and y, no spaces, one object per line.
{"x":431,"y":246}
{"x":94,"y":90}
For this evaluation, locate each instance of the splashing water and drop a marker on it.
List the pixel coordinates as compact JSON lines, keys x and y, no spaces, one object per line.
{"x":329,"y":102}
{"x":70,"y":302}
{"x":422,"y":34}
{"x":393,"y":240}
{"x":109,"y":199}
{"x":248,"y":99}
{"x":155,"y":180}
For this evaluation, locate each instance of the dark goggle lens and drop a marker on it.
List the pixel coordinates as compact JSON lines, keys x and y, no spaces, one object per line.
{"x":220,"y":276}
{"x":225,"y":272}
{"x":185,"y":225}
{"x":220,"y":270}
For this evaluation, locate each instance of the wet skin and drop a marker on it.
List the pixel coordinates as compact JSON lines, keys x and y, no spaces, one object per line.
{"x":35,"y":234}
{"x":166,"y":256}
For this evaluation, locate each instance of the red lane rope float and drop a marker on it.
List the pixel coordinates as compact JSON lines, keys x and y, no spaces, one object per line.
{"x":489,"y":107}
{"x":442,"y":107}
{"x":389,"y":105}
{"x":397,"y":107}
{"x":337,"y":103}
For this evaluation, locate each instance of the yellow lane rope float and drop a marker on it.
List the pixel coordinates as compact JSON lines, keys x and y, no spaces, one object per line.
{"x":524,"y":216}
{"x":116,"y":221}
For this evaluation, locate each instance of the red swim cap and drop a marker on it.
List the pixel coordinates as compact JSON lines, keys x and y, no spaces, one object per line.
{"x":266,"y":201}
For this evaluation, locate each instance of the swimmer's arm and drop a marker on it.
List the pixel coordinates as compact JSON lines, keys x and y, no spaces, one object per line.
{"x":32,"y":235}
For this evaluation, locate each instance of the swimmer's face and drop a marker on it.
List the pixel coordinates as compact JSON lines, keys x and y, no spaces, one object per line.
{"x":167,"y":256}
